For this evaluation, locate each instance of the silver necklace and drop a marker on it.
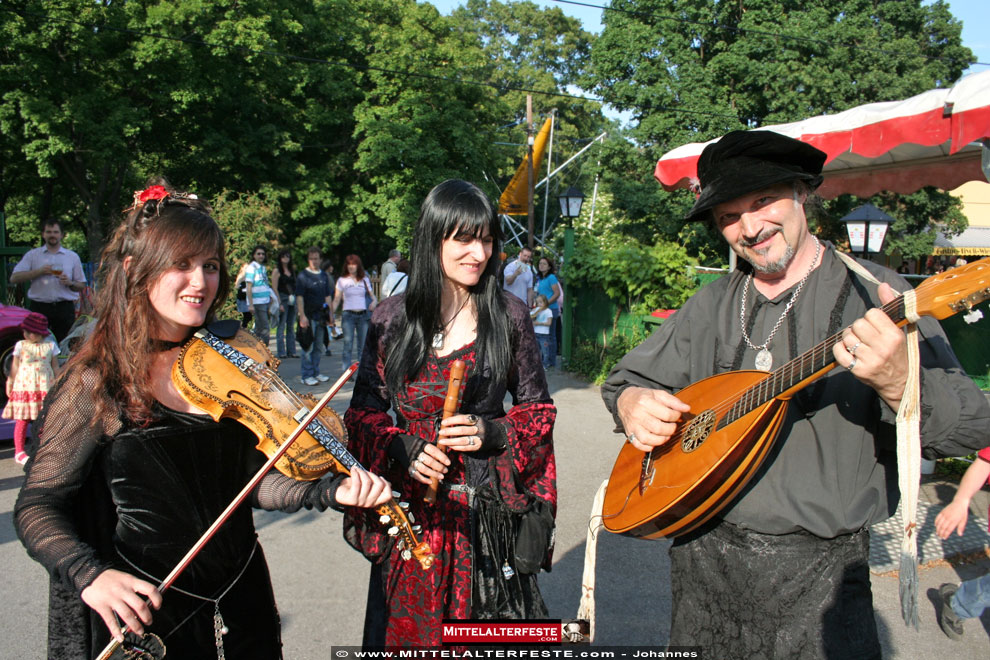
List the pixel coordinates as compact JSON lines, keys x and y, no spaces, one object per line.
{"x":763,"y":358}
{"x":438,"y":338}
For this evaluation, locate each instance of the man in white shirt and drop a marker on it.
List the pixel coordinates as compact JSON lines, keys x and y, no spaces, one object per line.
{"x":519,"y":276}
{"x":56,"y":278}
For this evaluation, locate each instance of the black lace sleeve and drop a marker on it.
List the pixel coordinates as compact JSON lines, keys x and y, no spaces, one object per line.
{"x":277,"y":492}
{"x":60,"y":516}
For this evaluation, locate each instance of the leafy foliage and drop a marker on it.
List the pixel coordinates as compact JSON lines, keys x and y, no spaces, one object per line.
{"x":637,"y":276}
{"x":247,"y":220}
{"x":345,"y":112}
{"x":691,"y":70}
{"x":594,"y":361}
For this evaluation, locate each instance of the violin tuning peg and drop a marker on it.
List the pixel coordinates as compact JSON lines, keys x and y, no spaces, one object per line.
{"x":404,"y":505}
{"x":392,"y":531}
{"x":406,"y":555}
{"x":417,"y":528}
{"x":412,"y":518}
{"x":396,"y":493}
{"x":385,"y":519}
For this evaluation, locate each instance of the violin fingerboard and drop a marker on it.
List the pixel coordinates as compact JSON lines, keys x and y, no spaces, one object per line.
{"x":247,"y":365}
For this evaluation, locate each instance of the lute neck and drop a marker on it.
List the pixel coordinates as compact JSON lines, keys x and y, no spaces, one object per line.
{"x":799,"y":372}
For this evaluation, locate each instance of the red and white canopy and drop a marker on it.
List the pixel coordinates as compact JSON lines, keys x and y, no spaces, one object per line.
{"x":901,"y":146}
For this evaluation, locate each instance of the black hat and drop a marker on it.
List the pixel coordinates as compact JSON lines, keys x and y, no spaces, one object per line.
{"x":745,"y":161}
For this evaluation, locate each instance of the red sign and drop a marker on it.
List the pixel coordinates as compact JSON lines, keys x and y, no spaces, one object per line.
{"x":501,"y":632}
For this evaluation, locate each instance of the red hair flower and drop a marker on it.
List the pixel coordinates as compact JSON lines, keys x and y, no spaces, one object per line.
{"x":151,"y":192}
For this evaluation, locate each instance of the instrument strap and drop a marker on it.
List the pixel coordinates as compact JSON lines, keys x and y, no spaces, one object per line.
{"x":908,"y":453}
{"x":586,"y":607}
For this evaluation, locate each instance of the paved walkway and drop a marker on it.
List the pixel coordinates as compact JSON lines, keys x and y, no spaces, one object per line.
{"x":320,"y":583}
{"x":885,"y":538}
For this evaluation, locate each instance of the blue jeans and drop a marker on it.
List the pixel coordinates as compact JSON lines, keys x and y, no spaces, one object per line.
{"x":546,"y":349}
{"x":261,"y":327}
{"x":972,"y":597}
{"x":355,"y":330}
{"x":285,"y":331}
{"x":552,"y":361}
{"x":311,"y":357}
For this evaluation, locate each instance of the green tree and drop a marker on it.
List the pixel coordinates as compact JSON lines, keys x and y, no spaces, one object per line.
{"x":247,"y":220}
{"x":416,"y":123}
{"x":527,"y":47}
{"x":637,"y":276}
{"x":101,"y":95}
{"x":691,"y":70}
{"x":63,"y":83}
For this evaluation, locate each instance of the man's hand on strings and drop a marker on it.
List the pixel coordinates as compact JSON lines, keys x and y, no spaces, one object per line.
{"x":649,"y":417}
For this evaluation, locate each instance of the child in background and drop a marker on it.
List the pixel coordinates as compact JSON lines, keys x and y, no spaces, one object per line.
{"x":31,"y":375}
{"x":969,"y":599}
{"x":542,"y":320}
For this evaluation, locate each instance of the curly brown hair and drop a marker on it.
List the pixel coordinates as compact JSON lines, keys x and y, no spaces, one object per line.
{"x":153,"y":237}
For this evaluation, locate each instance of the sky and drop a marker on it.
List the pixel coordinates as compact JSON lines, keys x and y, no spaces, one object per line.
{"x":973,"y":14}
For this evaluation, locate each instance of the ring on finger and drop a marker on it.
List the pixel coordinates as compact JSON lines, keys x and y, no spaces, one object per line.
{"x":852,"y":351}
{"x":632,"y":437}
{"x":851,"y":364}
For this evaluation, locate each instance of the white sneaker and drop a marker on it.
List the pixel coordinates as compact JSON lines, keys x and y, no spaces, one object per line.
{"x":322,"y":378}
{"x":311,"y":381}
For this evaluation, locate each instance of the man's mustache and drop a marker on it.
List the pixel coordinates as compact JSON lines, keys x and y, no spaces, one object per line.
{"x":762,"y":236}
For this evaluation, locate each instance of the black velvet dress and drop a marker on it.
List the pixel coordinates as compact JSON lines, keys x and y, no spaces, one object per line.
{"x":136,"y":499}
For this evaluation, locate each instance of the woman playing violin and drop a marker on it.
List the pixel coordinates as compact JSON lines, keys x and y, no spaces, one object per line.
{"x":501,"y":464}
{"x":128,"y":474}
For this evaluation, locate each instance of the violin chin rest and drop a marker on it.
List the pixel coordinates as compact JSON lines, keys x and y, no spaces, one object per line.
{"x":224,"y":329}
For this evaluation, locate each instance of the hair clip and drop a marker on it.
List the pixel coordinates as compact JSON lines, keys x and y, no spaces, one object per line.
{"x":158,"y":193}
{"x":151,"y":192}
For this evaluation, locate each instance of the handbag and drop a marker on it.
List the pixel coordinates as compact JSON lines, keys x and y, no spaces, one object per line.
{"x":242,"y":290}
{"x":535,"y":532}
{"x":304,"y":336}
{"x":368,"y":299}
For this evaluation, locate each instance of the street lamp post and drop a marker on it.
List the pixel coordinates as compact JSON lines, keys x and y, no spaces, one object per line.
{"x":866,"y":227}
{"x":570,"y":208}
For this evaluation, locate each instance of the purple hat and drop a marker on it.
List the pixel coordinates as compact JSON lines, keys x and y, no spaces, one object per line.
{"x":746,"y":161}
{"x":36,"y":323}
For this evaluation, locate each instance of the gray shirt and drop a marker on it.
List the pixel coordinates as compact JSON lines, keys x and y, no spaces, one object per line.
{"x":833,"y":470}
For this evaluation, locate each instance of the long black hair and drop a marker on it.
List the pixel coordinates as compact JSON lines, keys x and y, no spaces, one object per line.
{"x":453,"y":207}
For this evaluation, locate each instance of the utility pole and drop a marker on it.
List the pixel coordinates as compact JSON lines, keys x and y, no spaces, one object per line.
{"x":531,"y":225}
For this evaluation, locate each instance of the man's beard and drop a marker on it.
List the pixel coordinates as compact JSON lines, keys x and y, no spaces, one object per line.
{"x":773,"y":267}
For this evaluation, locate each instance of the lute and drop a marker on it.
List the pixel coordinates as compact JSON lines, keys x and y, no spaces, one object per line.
{"x":735,"y":419}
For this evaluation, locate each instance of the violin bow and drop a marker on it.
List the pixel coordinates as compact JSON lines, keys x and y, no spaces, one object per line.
{"x":241,"y":496}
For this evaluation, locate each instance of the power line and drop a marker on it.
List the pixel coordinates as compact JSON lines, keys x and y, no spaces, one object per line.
{"x":765,"y":33}
{"x":361,"y":67}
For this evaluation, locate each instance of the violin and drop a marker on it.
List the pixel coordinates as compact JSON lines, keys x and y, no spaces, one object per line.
{"x":235,"y":378}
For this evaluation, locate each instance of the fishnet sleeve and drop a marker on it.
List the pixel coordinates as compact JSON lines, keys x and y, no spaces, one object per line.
{"x":277,"y":492}
{"x":49,"y":515}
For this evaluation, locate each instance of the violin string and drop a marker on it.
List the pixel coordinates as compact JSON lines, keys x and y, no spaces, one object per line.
{"x":390,"y":508}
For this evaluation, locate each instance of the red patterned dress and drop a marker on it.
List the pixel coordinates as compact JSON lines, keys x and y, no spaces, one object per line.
{"x":468,"y":579}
